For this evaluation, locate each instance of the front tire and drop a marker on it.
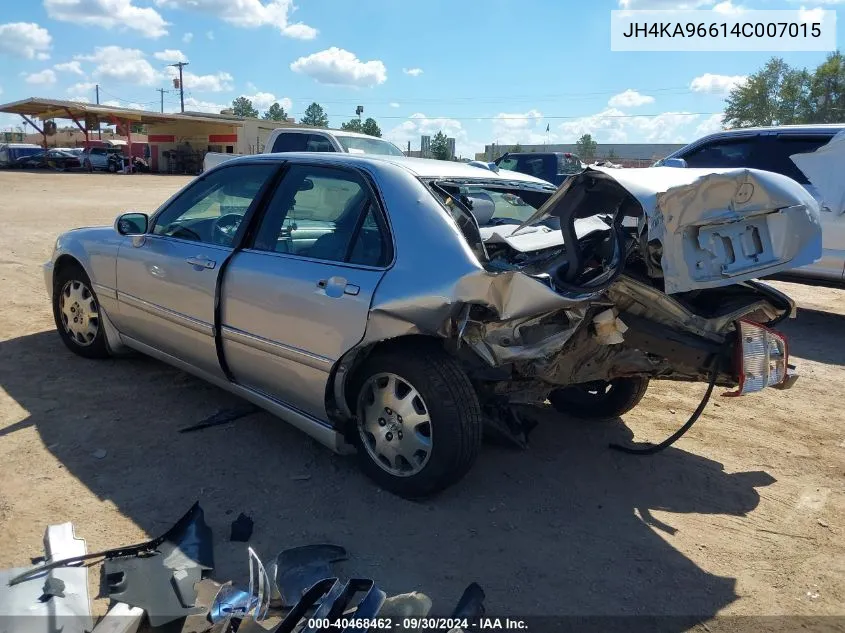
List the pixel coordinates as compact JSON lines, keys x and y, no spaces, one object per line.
{"x":599,"y":400}
{"x":76,"y":312}
{"x":418,"y":428}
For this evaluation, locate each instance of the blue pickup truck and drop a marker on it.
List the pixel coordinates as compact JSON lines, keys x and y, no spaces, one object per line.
{"x":553,"y":167}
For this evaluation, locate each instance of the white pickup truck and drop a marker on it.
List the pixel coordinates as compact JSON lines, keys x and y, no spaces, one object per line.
{"x":314,"y":140}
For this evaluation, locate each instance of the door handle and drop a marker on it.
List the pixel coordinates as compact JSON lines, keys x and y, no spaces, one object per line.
{"x":335,"y":284}
{"x":202,"y":261}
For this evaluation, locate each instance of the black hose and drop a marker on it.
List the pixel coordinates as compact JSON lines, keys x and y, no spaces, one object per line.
{"x":650,"y":449}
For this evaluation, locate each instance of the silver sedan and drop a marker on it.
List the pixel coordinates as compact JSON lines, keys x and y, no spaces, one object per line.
{"x":399,"y":307}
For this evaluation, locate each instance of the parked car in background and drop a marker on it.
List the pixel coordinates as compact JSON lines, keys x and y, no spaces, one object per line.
{"x":11,"y":152}
{"x":103,"y":158}
{"x":395,"y":305}
{"x":57,"y":159}
{"x":315,"y":140}
{"x":805,"y":153}
{"x":553,"y":167}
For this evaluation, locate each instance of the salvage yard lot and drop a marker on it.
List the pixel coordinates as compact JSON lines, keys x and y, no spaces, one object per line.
{"x":745,"y":515}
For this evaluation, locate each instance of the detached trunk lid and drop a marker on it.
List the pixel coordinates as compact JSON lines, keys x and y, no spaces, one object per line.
{"x":712,"y":227}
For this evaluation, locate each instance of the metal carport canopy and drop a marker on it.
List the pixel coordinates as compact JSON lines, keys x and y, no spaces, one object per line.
{"x":46,"y":109}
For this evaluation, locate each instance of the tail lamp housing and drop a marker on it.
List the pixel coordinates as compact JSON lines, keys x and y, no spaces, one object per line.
{"x":762,"y":358}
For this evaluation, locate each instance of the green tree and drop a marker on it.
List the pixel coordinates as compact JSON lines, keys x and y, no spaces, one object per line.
{"x":371,"y":127}
{"x":611,"y":155}
{"x":243,"y":107}
{"x":775,"y":95}
{"x":516,"y":148}
{"x":352,"y":125}
{"x":827,"y":91}
{"x":586,"y":148}
{"x":315,"y":116}
{"x":440,"y":147}
{"x":275,"y":113}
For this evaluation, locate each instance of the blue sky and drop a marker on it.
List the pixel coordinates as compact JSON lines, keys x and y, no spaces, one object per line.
{"x":483,"y":72}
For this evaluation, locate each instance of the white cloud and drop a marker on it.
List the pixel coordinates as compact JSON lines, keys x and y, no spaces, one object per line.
{"x":45,"y":77}
{"x":42,"y":56}
{"x":187,"y":37}
{"x":109,"y":14}
{"x":24,"y":39}
{"x":170,"y":55}
{"x":728,"y":8}
{"x":336,"y":66}
{"x":711,"y":124}
{"x":716,"y":84}
{"x":300,"y":31}
{"x":520,"y":127}
{"x":79,"y":99}
{"x":70,"y":67}
{"x":196,"y":105}
{"x":209,"y":34}
{"x":217,"y":82}
{"x":114,"y":103}
{"x":122,"y":65}
{"x":414,"y":72}
{"x":615,"y":126}
{"x":81,"y":88}
{"x":249,"y":14}
{"x":263,"y":100}
{"x":393,"y":104}
{"x":419,"y":124}
{"x":629,"y":99}
{"x":811,"y":15}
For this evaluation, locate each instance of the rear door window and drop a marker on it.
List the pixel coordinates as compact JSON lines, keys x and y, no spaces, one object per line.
{"x":318,"y":143}
{"x":741,"y":152}
{"x":543,"y":167}
{"x":781,"y":147}
{"x":290,"y":142}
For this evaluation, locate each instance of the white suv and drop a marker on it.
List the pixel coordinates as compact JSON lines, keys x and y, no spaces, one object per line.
{"x":315,"y":140}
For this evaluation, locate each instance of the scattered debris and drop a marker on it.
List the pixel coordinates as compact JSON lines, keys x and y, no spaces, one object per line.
{"x":224,"y":416}
{"x":53,"y":588}
{"x":100,"y":453}
{"x":241,"y":529}
{"x":297,"y":569}
{"x":56,"y":599}
{"x":813,"y":595}
{"x":121,"y":618}
{"x":672,"y":411}
{"x":823,"y":523}
{"x":163,"y":578}
{"x":163,"y":583}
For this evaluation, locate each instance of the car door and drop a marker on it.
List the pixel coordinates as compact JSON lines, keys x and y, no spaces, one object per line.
{"x":167,"y":279}
{"x":293,"y":303}
{"x":779,"y":148}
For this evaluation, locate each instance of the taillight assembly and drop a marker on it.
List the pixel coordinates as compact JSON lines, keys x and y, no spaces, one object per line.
{"x":762,"y":358}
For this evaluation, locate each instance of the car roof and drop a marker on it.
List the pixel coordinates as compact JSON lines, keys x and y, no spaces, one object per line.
{"x":324,"y":130}
{"x":420,"y":167}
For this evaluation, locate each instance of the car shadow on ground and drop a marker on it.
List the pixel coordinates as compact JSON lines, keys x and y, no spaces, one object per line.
{"x":565,"y":527}
{"x":814,"y":335}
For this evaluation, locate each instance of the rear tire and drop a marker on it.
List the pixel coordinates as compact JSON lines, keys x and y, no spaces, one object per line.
{"x":77,"y":313}
{"x":600,"y":400}
{"x":418,"y":420}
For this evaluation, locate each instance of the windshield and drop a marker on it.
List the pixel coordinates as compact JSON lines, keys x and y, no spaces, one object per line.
{"x":362,"y":145}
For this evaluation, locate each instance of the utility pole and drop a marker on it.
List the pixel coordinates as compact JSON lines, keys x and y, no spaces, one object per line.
{"x":99,"y":131}
{"x":162,"y":91}
{"x":181,"y":85}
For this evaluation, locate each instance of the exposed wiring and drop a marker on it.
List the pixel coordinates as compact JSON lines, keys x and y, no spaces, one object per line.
{"x":650,"y":449}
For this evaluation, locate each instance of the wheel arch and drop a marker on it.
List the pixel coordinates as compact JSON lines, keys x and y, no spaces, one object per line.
{"x":339,"y":396}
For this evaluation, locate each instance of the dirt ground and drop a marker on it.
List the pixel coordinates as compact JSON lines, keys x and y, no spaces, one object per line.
{"x":744,"y":516}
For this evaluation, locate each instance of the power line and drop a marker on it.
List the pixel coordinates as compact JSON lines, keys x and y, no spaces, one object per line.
{"x":538,"y":118}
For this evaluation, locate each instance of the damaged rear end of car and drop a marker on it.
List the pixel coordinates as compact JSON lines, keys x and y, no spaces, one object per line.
{"x":615,"y":279}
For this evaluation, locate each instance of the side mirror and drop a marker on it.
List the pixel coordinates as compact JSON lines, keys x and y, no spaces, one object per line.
{"x":674,"y":162}
{"x":306,"y":185}
{"x":131,"y":223}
